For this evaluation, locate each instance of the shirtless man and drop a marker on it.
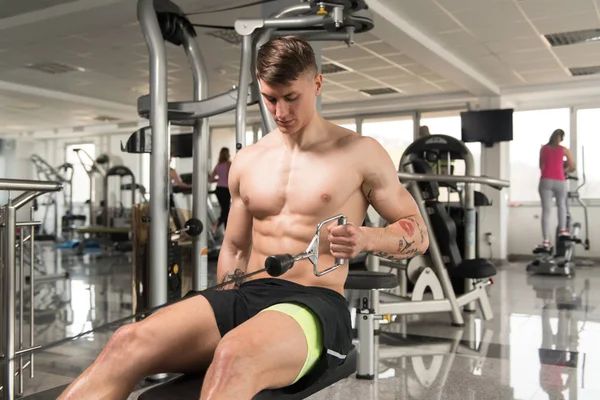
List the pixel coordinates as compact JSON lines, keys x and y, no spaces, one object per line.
{"x":270,"y":332}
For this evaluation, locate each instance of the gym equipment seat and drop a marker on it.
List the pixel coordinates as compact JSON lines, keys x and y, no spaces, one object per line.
{"x":188,"y":387}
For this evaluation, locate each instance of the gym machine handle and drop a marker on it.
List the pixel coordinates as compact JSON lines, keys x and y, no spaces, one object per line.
{"x":279,"y":264}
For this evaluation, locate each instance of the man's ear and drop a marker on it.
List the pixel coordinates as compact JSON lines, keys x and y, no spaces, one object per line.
{"x":318,"y":84}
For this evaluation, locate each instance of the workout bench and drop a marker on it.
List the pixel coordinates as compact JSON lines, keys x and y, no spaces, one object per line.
{"x":189,"y":386}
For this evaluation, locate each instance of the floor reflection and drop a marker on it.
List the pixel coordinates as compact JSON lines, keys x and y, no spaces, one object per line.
{"x":541,"y":343}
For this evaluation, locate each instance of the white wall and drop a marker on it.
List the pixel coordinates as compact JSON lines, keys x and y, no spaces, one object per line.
{"x":494,"y":219}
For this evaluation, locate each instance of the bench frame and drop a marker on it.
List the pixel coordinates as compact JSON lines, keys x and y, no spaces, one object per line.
{"x":367,"y":318}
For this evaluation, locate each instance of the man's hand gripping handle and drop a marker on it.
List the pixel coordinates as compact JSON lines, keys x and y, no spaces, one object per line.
{"x":279,"y":264}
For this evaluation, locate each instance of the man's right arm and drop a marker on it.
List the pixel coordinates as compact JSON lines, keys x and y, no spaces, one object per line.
{"x":237,"y":243}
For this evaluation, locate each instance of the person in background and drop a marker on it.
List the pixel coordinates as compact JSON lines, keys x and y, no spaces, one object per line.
{"x":176,"y":179}
{"x":424,"y":131}
{"x":220,"y":175}
{"x":553,"y":184}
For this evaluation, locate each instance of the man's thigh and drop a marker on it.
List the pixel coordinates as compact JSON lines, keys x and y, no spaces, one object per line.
{"x":284,"y":341}
{"x":181,"y":337}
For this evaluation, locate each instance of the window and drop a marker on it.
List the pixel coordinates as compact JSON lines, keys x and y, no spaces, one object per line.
{"x":349,"y":123}
{"x":395,"y":134}
{"x":532,"y":129}
{"x":588,"y":135}
{"x":81,"y":180}
{"x":249,"y":136}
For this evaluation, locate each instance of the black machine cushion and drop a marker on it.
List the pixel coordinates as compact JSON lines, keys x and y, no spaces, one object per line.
{"x":178,"y":189}
{"x":365,"y":280}
{"x":359,"y":262}
{"x":186,"y":178}
{"x":445,"y":232}
{"x":188,"y":387}
{"x":477,"y":268}
{"x":481,"y":200}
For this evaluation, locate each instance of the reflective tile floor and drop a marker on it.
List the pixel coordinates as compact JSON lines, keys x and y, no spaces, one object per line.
{"x":541,"y":344}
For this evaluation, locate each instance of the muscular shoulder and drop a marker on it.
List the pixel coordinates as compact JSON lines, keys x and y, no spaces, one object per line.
{"x":369,"y":149}
{"x":241,"y":162}
{"x":368,"y":155}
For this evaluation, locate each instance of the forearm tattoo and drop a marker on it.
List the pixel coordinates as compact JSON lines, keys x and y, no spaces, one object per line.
{"x":406,"y":245}
{"x":409,"y":224}
{"x":237,"y":277}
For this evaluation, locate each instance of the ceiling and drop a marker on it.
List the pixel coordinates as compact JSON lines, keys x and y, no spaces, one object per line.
{"x":504,"y":38}
{"x":102,"y":43}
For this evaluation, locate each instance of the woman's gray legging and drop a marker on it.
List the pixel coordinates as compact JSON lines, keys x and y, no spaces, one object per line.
{"x":548,"y":189}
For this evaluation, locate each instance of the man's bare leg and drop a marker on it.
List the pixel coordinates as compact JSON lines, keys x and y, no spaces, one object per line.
{"x":178,"y":338}
{"x":266,"y":352}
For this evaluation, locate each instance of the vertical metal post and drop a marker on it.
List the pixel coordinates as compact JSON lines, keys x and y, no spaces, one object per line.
{"x":434,"y":249}
{"x":358,"y":121}
{"x":470,"y":221}
{"x":8,"y":313}
{"x":32,"y":291}
{"x":91,"y":205}
{"x":255,"y":133}
{"x":240,"y":113}
{"x":416,"y":124}
{"x":200,"y":163}
{"x":107,"y":217}
{"x":159,"y":159}
{"x":2,"y":297}
{"x":366,"y":337}
{"x":54,"y":198}
{"x":267,"y":123}
{"x":21,"y":300}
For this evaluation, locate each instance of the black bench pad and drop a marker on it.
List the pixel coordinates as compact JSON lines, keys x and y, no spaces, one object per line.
{"x":188,"y":387}
{"x":359,"y":262}
{"x":361,"y":280}
{"x":477,"y":268}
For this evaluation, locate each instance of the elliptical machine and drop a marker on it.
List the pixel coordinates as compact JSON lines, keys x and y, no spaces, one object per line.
{"x":560,"y":260}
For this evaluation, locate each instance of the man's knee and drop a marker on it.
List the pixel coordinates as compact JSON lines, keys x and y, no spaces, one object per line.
{"x":125,"y":343}
{"x":232,"y":351}
{"x":233,"y":360}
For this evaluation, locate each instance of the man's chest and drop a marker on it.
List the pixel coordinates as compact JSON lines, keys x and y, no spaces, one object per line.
{"x":301,"y":186}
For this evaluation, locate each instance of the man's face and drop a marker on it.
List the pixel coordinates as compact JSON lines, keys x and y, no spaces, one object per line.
{"x":292,"y":106}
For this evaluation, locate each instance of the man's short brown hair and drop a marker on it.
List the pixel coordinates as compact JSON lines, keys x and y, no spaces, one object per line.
{"x":283,"y":60}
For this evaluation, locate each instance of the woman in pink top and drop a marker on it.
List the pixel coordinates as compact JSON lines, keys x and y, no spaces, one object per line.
{"x":220,"y":175}
{"x":553,"y":183}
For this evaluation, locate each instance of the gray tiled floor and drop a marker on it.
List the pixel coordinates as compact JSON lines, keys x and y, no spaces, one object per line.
{"x":532,"y":349}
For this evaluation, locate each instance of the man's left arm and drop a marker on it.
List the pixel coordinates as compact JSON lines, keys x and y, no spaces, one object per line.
{"x":406,"y":234}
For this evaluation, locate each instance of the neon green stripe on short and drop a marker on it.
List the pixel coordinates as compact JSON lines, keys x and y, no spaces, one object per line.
{"x":311,"y":326}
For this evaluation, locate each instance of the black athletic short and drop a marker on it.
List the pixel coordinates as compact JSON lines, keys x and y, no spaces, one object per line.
{"x":235,"y":306}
